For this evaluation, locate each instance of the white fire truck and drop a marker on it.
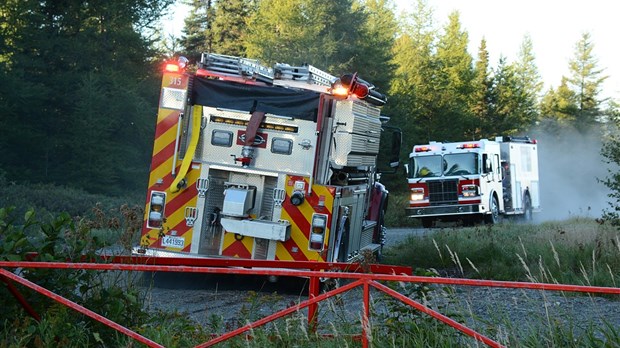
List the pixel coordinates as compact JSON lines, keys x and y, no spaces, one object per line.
{"x":473,"y":181}
{"x":265,"y":163}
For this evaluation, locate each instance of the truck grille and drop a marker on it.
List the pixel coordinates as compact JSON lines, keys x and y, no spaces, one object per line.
{"x":443,"y":192}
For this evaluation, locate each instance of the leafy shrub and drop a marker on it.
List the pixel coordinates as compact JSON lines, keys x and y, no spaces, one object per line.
{"x":59,"y":240}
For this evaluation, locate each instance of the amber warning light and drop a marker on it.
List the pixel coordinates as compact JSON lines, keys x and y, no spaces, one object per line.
{"x":176,"y":66}
{"x":172,"y":67}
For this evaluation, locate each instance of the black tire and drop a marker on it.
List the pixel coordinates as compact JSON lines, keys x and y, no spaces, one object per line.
{"x":527,"y":209}
{"x":381,"y":233}
{"x":428,"y":222}
{"x":493,"y":218}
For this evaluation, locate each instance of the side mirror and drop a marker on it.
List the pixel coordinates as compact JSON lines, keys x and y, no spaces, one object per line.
{"x":389,"y":156}
{"x":487,"y":165}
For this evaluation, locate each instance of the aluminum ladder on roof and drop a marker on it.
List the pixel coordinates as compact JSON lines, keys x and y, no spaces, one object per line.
{"x":305,"y":76}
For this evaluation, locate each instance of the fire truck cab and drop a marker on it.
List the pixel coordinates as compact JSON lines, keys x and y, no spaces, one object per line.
{"x":473,"y":181}
{"x":266,"y":163}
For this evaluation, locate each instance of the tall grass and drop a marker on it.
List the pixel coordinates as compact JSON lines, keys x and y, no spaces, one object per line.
{"x":575,"y":251}
{"x":396,"y":215}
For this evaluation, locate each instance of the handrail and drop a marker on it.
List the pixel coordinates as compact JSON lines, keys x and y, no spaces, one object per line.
{"x":191,"y":150}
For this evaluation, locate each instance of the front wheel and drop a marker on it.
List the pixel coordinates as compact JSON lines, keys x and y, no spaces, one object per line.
{"x":493,"y":218}
{"x":428,"y":222}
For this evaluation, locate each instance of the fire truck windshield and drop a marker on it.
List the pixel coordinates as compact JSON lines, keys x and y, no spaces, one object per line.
{"x":448,"y":165}
{"x":461,"y":164}
{"x":425,"y":166}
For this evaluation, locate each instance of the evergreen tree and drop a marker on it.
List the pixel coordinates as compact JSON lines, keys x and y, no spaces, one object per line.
{"x":559,"y":108}
{"x":481,"y":101}
{"x":413,"y":88}
{"x":197,"y":35}
{"x":49,"y":49}
{"x":530,"y":84}
{"x":373,"y":58}
{"x":229,"y":26}
{"x":454,"y":75}
{"x":586,"y":81}
{"x":508,"y":116}
{"x":318,"y":32}
{"x":611,"y":153}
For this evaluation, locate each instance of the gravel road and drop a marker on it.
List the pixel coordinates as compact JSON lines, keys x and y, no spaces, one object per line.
{"x":233,"y":301}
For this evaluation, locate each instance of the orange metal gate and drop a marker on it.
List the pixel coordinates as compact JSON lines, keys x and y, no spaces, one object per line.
{"x":364,"y":280}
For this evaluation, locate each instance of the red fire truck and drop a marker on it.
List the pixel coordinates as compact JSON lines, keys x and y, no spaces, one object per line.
{"x":473,"y":180}
{"x":266,"y":163}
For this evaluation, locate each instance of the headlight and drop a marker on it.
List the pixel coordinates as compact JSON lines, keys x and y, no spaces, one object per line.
{"x":470,"y":191}
{"x":417,"y":194}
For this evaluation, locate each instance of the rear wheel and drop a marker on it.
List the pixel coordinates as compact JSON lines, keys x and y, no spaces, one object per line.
{"x":527,"y":208}
{"x":381,"y":233}
{"x":493,"y":218}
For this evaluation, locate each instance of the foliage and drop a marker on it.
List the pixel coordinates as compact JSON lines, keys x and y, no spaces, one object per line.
{"x":197,"y":36}
{"x":586,"y":81}
{"x":481,"y":102}
{"x":60,"y":240}
{"x":611,"y":153}
{"x":50,"y":200}
{"x":229,"y":26}
{"x":396,"y":215}
{"x":577,"y":101}
{"x":76,"y":103}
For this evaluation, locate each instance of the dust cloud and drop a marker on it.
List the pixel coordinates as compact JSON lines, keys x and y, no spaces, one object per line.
{"x":570,"y":167}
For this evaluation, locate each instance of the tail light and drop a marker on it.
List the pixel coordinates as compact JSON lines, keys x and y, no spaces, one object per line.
{"x":157,"y":204}
{"x":317,"y":232}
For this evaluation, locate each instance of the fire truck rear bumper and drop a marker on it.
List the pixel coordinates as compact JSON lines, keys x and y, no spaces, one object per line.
{"x":460,"y":209}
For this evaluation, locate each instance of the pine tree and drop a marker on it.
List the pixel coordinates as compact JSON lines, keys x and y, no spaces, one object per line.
{"x":317,"y":32}
{"x":229,"y":26}
{"x":611,"y":153}
{"x":481,"y":101}
{"x":413,"y":88}
{"x":373,"y":52}
{"x":455,"y":75}
{"x":509,"y":98}
{"x":49,"y":48}
{"x":530,"y":84}
{"x":559,"y":108}
{"x":197,"y":35}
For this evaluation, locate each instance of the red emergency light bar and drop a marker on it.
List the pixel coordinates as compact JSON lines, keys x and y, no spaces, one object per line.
{"x":349,"y":84}
{"x":469,"y":146}
{"x":423,"y":149}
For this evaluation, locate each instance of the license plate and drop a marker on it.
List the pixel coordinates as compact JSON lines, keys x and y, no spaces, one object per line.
{"x":173,"y":242}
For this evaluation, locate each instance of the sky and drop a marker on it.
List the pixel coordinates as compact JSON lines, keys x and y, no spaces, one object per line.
{"x":555,"y":27}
